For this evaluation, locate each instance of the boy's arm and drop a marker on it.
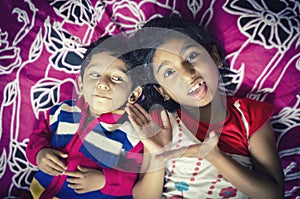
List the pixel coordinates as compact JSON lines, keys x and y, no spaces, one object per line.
{"x":40,"y":138}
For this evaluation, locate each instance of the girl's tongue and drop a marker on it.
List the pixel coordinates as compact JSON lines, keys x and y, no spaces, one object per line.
{"x":198,"y":91}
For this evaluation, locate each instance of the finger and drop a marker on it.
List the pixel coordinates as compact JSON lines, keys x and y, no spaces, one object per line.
{"x":135,"y":116}
{"x":51,"y":171}
{"x":75,"y":186}
{"x":83,"y":169}
{"x":175,"y":153}
{"x":73,"y":174}
{"x":61,"y":154}
{"x":54,"y":166}
{"x":81,"y":191}
{"x":57,"y":163}
{"x":165,"y":120}
{"x":141,"y":113}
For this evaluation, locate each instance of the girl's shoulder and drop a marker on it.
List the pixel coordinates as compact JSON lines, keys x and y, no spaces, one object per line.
{"x":256,"y":113}
{"x":250,"y":105}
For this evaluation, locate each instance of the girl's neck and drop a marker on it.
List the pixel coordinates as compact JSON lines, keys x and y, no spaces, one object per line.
{"x":214,"y":112}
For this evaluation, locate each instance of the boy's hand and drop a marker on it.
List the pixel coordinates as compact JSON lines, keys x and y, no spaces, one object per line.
{"x":85,"y":180}
{"x":49,"y":161}
{"x":155,"y":138}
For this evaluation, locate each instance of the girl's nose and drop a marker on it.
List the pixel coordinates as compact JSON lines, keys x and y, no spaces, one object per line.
{"x":102,"y":83}
{"x":187,"y":70}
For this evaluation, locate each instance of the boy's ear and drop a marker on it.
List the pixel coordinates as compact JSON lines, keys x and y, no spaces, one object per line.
{"x":216,"y":56}
{"x":80,"y":84}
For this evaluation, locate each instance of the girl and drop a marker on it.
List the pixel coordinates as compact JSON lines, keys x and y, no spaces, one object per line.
{"x":238,"y":159}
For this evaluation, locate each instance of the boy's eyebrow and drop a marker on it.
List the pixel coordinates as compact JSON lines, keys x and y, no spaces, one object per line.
{"x":93,"y":65}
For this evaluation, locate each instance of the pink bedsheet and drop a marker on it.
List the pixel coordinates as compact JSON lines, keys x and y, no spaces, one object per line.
{"x":42,"y":44}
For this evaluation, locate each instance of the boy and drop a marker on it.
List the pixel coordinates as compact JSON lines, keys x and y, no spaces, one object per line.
{"x":81,"y":148}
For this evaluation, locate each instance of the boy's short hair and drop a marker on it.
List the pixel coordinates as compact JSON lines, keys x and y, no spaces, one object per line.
{"x":116,"y":45}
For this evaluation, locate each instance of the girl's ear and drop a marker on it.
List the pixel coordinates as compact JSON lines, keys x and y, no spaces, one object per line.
{"x":216,"y":56}
{"x":162,"y":92}
{"x":80,"y":85}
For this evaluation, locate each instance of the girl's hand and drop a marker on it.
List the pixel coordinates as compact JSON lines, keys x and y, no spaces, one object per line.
{"x":155,"y":138}
{"x":49,"y":161}
{"x":201,"y":150}
{"x":85,"y":180}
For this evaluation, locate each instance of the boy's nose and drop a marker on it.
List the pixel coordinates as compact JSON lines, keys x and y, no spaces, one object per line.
{"x":102,"y":84}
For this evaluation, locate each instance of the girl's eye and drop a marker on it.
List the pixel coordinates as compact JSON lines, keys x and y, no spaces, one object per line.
{"x":169,"y":72}
{"x":191,"y":57}
{"x":94,"y":75}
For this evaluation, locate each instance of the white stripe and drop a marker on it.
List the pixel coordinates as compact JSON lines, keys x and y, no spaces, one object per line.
{"x":64,"y":107}
{"x":237,"y":106}
{"x":65,"y":128}
{"x":132,"y":135}
{"x":104,"y":143}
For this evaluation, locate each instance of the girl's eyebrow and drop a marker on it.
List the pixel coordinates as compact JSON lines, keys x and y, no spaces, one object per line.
{"x":186,"y":47}
{"x":161,"y":65}
{"x":181,"y":52}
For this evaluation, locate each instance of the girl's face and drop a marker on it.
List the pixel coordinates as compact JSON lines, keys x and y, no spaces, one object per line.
{"x":105,"y":84}
{"x":186,"y":72}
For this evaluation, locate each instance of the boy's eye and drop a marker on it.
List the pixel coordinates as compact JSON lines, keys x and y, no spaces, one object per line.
{"x":94,"y":75}
{"x":117,"y":79}
{"x":191,"y":57}
{"x":169,"y":72}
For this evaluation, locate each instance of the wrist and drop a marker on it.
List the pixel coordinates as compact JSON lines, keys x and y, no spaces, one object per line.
{"x":214,"y":155}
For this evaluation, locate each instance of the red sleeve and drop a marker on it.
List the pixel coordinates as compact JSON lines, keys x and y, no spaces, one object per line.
{"x":258,"y":114}
{"x":40,"y":138}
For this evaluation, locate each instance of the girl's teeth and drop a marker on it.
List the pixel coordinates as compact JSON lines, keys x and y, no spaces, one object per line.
{"x":195,"y":88}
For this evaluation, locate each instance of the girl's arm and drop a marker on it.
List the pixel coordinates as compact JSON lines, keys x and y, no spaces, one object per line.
{"x":155,"y":139}
{"x":151,"y":181}
{"x":266,"y":180}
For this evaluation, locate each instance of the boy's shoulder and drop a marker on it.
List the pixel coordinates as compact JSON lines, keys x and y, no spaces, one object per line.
{"x":69,"y":104}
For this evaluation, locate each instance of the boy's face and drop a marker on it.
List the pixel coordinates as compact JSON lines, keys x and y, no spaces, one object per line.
{"x":105,"y":84}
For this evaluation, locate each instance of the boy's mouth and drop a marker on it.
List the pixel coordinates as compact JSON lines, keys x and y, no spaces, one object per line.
{"x":102,"y":96}
{"x":198,"y":91}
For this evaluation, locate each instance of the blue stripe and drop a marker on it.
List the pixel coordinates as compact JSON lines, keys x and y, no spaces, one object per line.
{"x":70,"y":117}
{"x":104,"y":158}
{"x":66,"y":192}
{"x":43,"y":178}
{"x":59,"y":141}
{"x":121,"y":137}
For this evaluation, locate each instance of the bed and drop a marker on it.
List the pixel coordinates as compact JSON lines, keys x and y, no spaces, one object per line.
{"x":42,"y":45}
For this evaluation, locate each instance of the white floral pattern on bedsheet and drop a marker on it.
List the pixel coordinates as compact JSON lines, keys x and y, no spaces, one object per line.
{"x":43,"y":42}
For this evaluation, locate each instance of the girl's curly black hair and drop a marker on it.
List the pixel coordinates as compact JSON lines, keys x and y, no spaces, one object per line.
{"x":160,"y":30}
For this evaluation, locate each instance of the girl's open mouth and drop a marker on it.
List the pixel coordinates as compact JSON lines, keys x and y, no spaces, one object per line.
{"x":198,"y":91}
